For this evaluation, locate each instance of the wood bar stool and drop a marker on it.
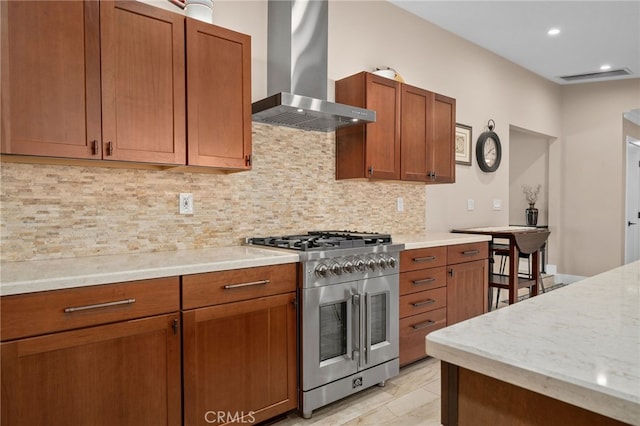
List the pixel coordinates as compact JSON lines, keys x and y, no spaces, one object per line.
{"x":528,"y":247}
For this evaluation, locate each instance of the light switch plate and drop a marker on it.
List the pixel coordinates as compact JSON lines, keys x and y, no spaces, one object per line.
{"x":400,"y":204}
{"x":471,"y":204}
{"x":497,"y":204}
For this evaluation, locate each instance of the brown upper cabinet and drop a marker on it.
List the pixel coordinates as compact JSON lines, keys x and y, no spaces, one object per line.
{"x":106,"y":81}
{"x":412,"y":138}
{"x":370,"y":150}
{"x":51,"y":78}
{"x":219,"y":97}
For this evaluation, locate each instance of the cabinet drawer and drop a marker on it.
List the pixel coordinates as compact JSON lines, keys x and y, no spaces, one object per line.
{"x":460,"y":253}
{"x":411,"y":260}
{"x":424,"y":301}
{"x":413,"y":331}
{"x":32,"y":314}
{"x":424,"y":279}
{"x":213,"y":288}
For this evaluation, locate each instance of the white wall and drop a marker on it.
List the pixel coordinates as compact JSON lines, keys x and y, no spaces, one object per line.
{"x":593,"y":174}
{"x":528,"y":165}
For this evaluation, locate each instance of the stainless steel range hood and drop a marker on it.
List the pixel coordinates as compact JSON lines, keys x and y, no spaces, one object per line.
{"x":297,"y":71}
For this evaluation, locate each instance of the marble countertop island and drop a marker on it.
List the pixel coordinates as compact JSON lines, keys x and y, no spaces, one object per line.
{"x":579,"y":344}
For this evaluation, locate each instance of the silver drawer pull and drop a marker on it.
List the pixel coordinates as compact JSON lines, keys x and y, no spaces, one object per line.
{"x":230,"y":286}
{"x":470,"y":252}
{"x":423,"y":325}
{"x":100,"y":305}
{"x":423,"y":281}
{"x":424,"y":259}
{"x":424,"y":302}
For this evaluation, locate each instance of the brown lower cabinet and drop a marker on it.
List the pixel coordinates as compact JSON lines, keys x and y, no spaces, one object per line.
{"x":112,"y":358}
{"x":239,"y":345}
{"x":439,"y":286}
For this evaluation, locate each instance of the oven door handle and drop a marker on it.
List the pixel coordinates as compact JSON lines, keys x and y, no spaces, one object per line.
{"x":353,"y":328}
{"x":367,"y":320}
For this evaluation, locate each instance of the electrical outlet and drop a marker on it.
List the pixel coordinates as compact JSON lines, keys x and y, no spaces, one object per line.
{"x":497,"y":204}
{"x":186,"y":203}
{"x":400,"y":204}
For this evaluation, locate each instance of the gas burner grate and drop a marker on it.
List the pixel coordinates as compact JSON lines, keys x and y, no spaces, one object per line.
{"x":323,"y":240}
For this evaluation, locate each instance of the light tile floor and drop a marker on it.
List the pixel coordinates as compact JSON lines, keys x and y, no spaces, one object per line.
{"x":411,"y":398}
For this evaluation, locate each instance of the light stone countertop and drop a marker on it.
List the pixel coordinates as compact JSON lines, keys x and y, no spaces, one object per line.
{"x":437,"y":239}
{"x":54,"y":274}
{"x":579,"y":344}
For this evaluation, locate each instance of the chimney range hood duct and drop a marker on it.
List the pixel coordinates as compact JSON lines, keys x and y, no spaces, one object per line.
{"x":297,"y":71}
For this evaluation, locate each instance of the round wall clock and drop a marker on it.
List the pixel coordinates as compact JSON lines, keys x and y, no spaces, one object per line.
{"x":489,"y":150}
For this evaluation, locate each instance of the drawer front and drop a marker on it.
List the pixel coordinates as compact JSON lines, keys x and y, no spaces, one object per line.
{"x":46,"y":312}
{"x":424,"y":279}
{"x":213,"y":288}
{"x":424,"y":301}
{"x":412,"y":260}
{"x":413,"y":331}
{"x":460,"y":253}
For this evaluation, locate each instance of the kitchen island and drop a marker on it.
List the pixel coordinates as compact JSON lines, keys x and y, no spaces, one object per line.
{"x":571,"y":356}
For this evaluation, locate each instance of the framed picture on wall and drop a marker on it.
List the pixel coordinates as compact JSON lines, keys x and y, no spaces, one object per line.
{"x":463,"y":144}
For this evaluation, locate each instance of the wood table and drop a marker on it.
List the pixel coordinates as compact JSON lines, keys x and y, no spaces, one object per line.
{"x":522,"y":239}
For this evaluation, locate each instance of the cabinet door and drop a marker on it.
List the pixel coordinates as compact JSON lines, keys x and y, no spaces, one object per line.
{"x":219,"y":96}
{"x":126,"y":373}
{"x":143,"y":83}
{"x":50,"y":78}
{"x":416,"y":134}
{"x":382,"y":158}
{"x":467,"y":287}
{"x":240,"y":361}
{"x":444,"y":131}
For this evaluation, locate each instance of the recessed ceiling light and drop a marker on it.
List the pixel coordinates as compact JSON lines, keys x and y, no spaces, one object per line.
{"x":553,"y":31}
{"x":605,"y":67}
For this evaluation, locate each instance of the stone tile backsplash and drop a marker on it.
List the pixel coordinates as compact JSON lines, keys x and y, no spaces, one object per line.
{"x":50,"y":211}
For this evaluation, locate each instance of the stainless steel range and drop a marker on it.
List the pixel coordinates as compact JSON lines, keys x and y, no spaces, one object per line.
{"x":349,"y":312}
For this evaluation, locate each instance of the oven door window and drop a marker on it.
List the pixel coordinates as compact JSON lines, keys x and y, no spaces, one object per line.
{"x":379,"y":315}
{"x":333,"y":330}
{"x":380,"y":340}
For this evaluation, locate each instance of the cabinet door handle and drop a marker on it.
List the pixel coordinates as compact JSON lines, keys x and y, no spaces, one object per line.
{"x":423,"y":325}
{"x":109,"y":148}
{"x":470,"y":252}
{"x":424,"y":259}
{"x":231,"y":286}
{"x":370,"y":170}
{"x":94,"y":148}
{"x":424,"y":302}
{"x":247,"y":160}
{"x":100,"y":305}
{"x":423,"y":281}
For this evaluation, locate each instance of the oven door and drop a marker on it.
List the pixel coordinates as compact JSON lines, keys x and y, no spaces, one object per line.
{"x":329,"y":333}
{"x":379,"y":316}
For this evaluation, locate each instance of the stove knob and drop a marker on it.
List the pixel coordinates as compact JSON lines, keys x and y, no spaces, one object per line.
{"x":372,"y":264}
{"x":335,"y":269}
{"x":382,"y":262}
{"x":347,"y":267}
{"x":322,"y":271}
{"x":392,"y":262}
{"x":360,"y":265}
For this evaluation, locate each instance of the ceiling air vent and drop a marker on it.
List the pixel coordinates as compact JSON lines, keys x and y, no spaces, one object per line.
{"x":599,"y":74}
